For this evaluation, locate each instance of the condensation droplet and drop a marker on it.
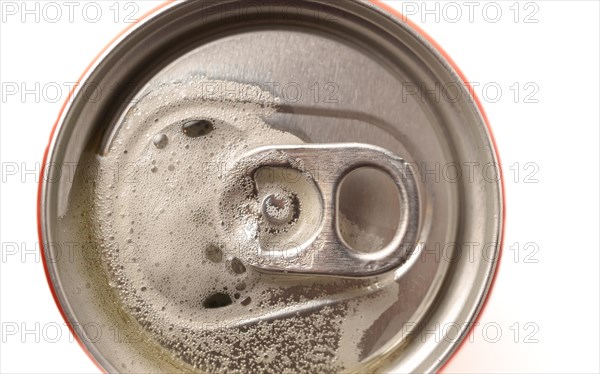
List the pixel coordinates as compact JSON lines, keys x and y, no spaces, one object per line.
{"x":237,"y":266}
{"x":246,"y":301}
{"x":160,"y":141}
{"x":197,"y":128}
{"x":214,"y":253}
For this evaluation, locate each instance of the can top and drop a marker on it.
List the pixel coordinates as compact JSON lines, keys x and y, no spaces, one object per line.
{"x":242,"y":197}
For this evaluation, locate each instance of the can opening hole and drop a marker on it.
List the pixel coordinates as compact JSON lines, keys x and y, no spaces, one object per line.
{"x":368,"y":209}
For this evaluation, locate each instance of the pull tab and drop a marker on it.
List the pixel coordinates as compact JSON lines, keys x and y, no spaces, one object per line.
{"x":296,"y":189}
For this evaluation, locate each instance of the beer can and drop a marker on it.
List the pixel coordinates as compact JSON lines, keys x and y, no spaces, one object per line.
{"x":271,"y":186}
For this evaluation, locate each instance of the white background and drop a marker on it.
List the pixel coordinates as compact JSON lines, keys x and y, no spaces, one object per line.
{"x":545,"y":302}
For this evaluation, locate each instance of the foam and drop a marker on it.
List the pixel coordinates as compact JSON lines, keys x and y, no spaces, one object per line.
{"x":174,"y":257}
